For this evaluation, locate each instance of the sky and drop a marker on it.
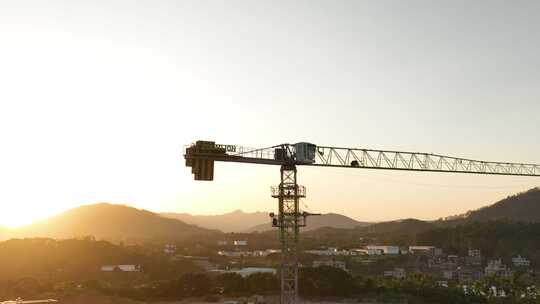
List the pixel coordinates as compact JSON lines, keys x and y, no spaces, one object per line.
{"x":98,"y":98}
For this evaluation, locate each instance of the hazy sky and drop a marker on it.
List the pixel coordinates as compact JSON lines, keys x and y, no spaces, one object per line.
{"x":97,"y":99}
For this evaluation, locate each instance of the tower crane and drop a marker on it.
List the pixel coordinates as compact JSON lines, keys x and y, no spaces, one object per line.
{"x":201,"y":156}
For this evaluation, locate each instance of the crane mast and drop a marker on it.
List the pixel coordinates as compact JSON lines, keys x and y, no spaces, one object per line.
{"x":202,"y":155}
{"x":289,"y":221}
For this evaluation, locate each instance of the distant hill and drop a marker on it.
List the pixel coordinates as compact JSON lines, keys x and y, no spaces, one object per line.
{"x":236,"y":221}
{"x":401,"y":232}
{"x":516,"y":210}
{"x":332,"y":220}
{"x":406,"y":226}
{"x":522,"y":207}
{"x":495,"y":238}
{"x":113,"y":222}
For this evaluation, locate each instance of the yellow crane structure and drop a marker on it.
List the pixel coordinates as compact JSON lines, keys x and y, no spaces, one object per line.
{"x":202,"y":155}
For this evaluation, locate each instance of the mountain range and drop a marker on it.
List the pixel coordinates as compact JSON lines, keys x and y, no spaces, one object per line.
{"x":521,"y":207}
{"x":119,"y":222}
{"x":243,"y":222}
{"x":236,"y":221}
{"x":333,"y":220}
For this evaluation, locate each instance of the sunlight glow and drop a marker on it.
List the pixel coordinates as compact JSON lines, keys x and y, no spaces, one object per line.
{"x":96,"y":103}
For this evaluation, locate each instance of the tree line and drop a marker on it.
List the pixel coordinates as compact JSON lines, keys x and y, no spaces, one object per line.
{"x":314,"y":283}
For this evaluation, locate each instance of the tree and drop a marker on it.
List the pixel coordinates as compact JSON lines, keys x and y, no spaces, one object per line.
{"x":195,"y":284}
{"x":261,"y":283}
{"x":230,"y":283}
{"x":325,"y":281}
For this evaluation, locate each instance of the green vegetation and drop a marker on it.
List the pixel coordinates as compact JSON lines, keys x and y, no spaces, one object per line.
{"x":325,"y":281}
{"x":520,"y":208}
{"x":523,"y":207}
{"x":495,"y":239}
{"x":30,"y":266}
{"x":50,"y":268}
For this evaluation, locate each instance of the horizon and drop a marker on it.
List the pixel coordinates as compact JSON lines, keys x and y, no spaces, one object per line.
{"x":15,"y":227}
{"x":98,"y":101}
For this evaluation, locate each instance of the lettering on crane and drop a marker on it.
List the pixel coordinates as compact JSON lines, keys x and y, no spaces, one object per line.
{"x":209,"y":146}
{"x":228,"y":148}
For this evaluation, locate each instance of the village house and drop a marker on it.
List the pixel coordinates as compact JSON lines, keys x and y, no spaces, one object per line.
{"x":331,"y":263}
{"x":520,"y":261}
{"x":121,"y":268}
{"x":330,"y":252}
{"x":425,"y":250}
{"x":396,"y":273}
{"x":497,"y":268}
{"x":366,"y":251}
{"x":383,"y":249}
{"x":169,"y":249}
{"x":255,"y":253}
{"x":474,"y":257}
{"x":449,"y":274}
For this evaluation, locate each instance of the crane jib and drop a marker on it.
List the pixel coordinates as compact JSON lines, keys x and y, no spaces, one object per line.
{"x":201,"y":156}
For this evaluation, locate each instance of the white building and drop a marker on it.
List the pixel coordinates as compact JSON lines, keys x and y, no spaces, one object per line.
{"x":452,"y":258}
{"x":474,"y":257}
{"x":475,"y":253}
{"x":497,"y":268}
{"x":265,"y":253}
{"x":233,"y":254}
{"x":121,"y":268}
{"x":255,"y":253}
{"x":442,"y":284}
{"x":328,"y":252}
{"x":520,"y":261}
{"x":448,"y":274}
{"x":367,"y":251}
{"x":169,"y":249}
{"x":245,"y":272}
{"x":427,"y":250}
{"x":240,"y":243}
{"x":336,"y":264}
{"x":397,"y":273}
{"x":382,"y":249}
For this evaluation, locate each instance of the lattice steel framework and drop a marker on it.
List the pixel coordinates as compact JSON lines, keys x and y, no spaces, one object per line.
{"x":414,"y":161}
{"x":289,"y":221}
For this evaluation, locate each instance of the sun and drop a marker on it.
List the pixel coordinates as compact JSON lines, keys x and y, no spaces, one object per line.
{"x":18,"y":215}
{"x":13,"y":223}
{"x":15,"y":220}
